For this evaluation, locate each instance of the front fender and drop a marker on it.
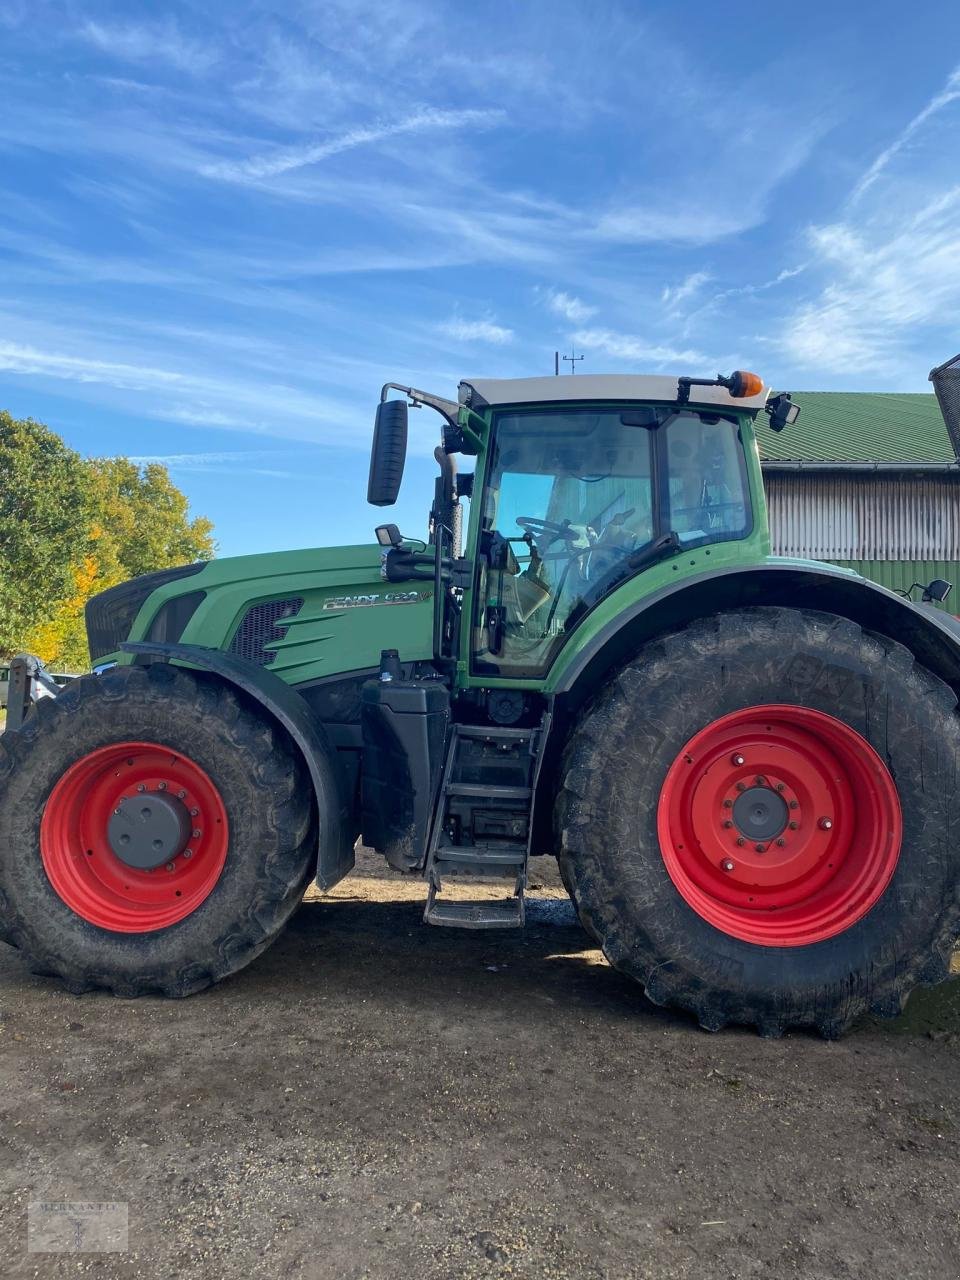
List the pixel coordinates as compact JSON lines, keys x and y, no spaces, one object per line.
{"x":335,"y":857}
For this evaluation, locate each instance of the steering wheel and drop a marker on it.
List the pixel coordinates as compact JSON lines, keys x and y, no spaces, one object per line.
{"x":536,"y":528}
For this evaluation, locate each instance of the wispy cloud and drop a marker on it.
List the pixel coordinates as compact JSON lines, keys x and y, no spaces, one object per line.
{"x":208,"y":458}
{"x":247,"y":462}
{"x":16,"y":358}
{"x":885,"y":282}
{"x":673,"y":295}
{"x":745,"y":180}
{"x":788,"y":273}
{"x":149,"y":42}
{"x":426,"y":120}
{"x":199,"y":399}
{"x":949,"y":93}
{"x":476,"y":331}
{"x":568,"y":306}
{"x":628,"y":346}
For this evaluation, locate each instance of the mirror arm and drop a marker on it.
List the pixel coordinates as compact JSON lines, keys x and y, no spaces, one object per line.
{"x":446,"y":408}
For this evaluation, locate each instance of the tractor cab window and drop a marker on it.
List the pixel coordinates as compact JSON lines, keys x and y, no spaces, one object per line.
{"x":578,"y":501}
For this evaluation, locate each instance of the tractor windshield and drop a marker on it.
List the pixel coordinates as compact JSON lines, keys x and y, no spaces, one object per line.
{"x":587,"y":498}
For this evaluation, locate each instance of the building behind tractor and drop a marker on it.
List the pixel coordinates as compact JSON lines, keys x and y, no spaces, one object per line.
{"x":746,"y":764}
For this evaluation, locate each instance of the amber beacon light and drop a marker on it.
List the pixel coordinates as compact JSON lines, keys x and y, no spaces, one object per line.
{"x":742,"y":384}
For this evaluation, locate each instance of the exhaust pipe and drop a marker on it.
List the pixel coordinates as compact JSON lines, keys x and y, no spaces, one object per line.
{"x":946,"y":383}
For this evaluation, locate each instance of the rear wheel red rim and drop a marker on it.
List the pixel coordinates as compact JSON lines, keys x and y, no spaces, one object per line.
{"x":83,"y":867}
{"x":780,"y":825}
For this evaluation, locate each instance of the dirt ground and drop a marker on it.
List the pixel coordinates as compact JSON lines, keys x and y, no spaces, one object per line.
{"x":376,"y":1098}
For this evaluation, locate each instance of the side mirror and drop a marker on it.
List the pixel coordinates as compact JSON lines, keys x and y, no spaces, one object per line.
{"x":937,"y":590}
{"x":388,"y":454}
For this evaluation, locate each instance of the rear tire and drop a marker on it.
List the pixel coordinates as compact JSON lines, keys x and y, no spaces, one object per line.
{"x":893,"y":931}
{"x":182,"y":926}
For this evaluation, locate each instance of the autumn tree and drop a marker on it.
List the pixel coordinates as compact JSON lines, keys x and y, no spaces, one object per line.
{"x":45,"y":518}
{"x":70,"y":527}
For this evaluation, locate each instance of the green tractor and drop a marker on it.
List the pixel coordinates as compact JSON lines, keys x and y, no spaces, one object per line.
{"x":747,"y":765}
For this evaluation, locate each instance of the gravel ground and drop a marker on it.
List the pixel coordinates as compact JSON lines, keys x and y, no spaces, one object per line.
{"x":375,"y":1098}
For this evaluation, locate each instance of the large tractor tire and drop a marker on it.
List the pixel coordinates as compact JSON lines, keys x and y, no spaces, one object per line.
{"x":155,"y":833}
{"x":760,"y":821}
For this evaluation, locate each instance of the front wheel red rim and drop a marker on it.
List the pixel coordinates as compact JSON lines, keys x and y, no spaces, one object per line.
{"x":780,"y":825}
{"x":84,"y":830}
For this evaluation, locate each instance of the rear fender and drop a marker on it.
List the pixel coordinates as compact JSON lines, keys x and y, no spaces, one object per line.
{"x":286,"y":707}
{"x":931,"y":635}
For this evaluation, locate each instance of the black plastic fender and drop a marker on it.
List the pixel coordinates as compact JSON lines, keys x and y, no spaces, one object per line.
{"x":335,"y":857}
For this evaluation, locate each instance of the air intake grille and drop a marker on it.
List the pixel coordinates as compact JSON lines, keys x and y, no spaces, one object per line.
{"x":261,"y":625}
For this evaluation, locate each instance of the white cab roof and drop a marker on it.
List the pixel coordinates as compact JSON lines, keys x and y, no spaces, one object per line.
{"x":478,"y":392}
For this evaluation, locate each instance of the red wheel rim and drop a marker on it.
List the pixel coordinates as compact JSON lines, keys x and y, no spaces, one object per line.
{"x":83,"y":868}
{"x":779,"y":825}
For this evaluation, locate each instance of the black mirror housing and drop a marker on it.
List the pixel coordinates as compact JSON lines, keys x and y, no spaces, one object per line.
{"x":388,"y":454}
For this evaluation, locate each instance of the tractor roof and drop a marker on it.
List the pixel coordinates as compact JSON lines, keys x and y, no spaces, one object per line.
{"x":478,"y":392}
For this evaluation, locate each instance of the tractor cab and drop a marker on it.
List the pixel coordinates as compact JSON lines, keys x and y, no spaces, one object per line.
{"x":578,"y":499}
{"x":580,"y":486}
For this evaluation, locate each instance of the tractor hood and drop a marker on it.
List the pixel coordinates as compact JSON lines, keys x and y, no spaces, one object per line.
{"x":274,"y":610}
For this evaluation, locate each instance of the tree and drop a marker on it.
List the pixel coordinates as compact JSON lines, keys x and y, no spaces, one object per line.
{"x":144,"y":519}
{"x":70,"y":527}
{"x":45,"y":518}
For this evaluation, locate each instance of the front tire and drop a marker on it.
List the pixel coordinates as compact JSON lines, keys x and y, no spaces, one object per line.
{"x":815,"y":881}
{"x":156,"y":833}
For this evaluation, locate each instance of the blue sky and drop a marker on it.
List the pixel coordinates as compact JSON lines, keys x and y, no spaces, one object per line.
{"x":223,"y":227}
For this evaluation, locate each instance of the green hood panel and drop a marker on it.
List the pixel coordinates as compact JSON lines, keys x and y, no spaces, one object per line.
{"x":349,"y":614}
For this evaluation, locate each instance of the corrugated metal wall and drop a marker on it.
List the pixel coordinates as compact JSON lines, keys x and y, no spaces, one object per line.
{"x":894,"y":529}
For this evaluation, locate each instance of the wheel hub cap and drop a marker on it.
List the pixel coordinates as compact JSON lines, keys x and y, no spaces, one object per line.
{"x":760,"y":813}
{"x":148,"y":830}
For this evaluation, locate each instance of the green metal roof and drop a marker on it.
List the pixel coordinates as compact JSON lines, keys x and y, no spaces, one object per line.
{"x":854,"y":426}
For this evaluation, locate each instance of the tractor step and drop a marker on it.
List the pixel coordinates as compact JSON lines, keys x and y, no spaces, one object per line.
{"x":485,"y":791}
{"x":507,"y":913}
{"x":483,"y":826}
{"x":480,"y":859}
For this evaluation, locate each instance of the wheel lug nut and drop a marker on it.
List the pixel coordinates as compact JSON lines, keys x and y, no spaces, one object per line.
{"x":161,"y":786}
{"x":169,"y":866}
{"x":181,"y":795}
{"x":781,"y":842}
{"x":116,"y":811}
{"x":794,"y":826}
{"x":188,"y":853}
{"x":825,"y":824}
{"x":728,"y":824}
{"x":741,"y":786}
{"x":728,"y":804}
{"x":794,"y":804}
{"x":194,"y":812}
{"x":740,"y":841}
{"x":737,"y":759}
{"x":760,"y":848}
{"x":196,"y":835}
{"x":759,"y":779}
{"x":728,"y":865}
{"x":141,"y":786}
{"x":781,"y":786}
